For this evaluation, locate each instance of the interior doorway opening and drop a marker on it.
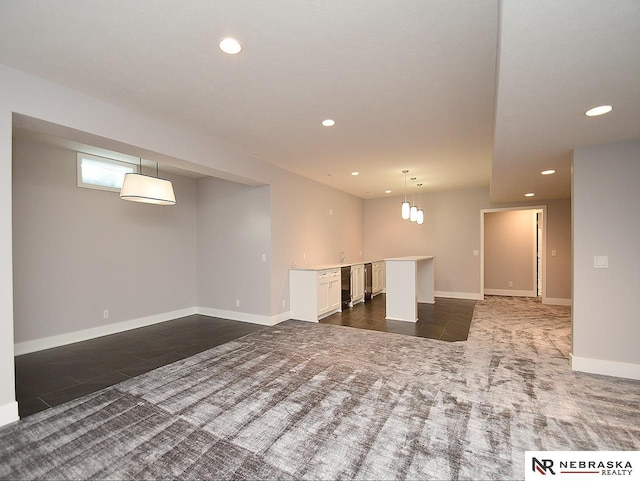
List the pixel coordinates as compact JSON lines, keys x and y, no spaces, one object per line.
{"x":512,"y":257}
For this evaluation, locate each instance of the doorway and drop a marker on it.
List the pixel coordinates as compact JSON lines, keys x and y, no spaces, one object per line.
{"x":512,"y":260}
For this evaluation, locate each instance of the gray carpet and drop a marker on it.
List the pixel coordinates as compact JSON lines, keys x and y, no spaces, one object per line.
{"x":314,"y":401}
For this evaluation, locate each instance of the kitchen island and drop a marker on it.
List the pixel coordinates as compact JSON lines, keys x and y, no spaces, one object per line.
{"x":409,"y":280}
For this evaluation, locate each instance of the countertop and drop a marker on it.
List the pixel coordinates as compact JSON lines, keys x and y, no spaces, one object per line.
{"x":409,"y":258}
{"x":324,"y":267}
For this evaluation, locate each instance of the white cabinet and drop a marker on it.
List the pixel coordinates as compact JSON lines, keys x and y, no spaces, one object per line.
{"x":328,"y":291}
{"x":357,"y":283}
{"x":377,"y":278}
{"x":314,"y":294}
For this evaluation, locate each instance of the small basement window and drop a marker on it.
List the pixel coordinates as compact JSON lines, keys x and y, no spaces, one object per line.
{"x":102,"y":173}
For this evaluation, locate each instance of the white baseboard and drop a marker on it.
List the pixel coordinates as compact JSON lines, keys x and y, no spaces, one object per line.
{"x":608,"y":368}
{"x":459,"y":295}
{"x":77,"y":336}
{"x":244,"y":316}
{"x":86,"y":334}
{"x":9,"y":413}
{"x":556,"y":301}
{"x":510,"y":292}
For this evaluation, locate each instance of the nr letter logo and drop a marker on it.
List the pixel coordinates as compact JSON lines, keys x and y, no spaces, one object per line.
{"x":542,"y":466}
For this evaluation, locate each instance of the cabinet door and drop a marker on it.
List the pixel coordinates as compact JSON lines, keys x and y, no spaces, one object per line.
{"x":357,"y":282}
{"x":323,"y":294}
{"x":335,"y":294}
{"x":377,"y":278}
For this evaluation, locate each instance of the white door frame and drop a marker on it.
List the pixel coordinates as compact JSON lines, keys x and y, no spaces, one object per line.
{"x":543,"y":250}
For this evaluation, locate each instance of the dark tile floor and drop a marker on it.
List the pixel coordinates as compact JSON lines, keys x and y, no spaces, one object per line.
{"x":54,"y":376}
{"x":447,"y":319}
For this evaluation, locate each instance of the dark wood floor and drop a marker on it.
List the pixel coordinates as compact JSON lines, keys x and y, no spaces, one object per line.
{"x":446,"y":320}
{"x":54,"y":376}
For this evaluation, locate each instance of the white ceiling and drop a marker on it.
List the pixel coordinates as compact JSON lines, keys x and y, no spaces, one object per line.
{"x":460,"y":93}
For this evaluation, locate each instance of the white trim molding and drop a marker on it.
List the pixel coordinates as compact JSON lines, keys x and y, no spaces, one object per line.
{"x":9,"y":413}
{"x":607,"y":368}
{"x":556,"y":301}
{"x":459,"y":295}
{"x":244,"y":316}
{"x":543,"y":250}
{"x":86,"y":334}
{"x":510,"y":292}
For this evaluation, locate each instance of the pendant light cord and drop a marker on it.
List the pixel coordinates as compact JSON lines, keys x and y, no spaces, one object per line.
{"x":405,"y":172}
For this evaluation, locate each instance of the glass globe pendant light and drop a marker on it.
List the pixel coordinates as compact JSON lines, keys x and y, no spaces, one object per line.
{"x":405,"y":205}
{"x":420,"y":214}
{"x":413,"y":212}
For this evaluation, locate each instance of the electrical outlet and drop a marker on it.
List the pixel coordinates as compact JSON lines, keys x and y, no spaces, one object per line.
{"x":105,"y":314}
{"x":237,"y":302}
{"x":284,"y":303}
{"x":510,"y":283}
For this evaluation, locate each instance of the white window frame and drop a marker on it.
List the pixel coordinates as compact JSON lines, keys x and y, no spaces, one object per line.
{"x":106,"y":160}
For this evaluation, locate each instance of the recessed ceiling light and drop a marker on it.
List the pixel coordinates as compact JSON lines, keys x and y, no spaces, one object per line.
{"x":355,"y":172}
{"x":602,"y":109}
{"x":387,"y":191}
{"x":329,"y":122}
{"x":548,"y":172}
{"x":230,"y":45}
{"x":530,"y":194}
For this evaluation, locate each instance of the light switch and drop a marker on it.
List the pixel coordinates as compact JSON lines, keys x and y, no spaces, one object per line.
{"x":553,"y":252}
{"x":264,"y":257}
{"x":330,"y":211}
{"x":600,"y":262}
{"x":476,"y":252}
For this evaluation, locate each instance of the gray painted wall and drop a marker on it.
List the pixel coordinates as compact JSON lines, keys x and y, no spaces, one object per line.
{"x":451,"y":232}
{"x":209,"y":247}
{"x":79,"y":251}
{"x":234,"y":232}
{"x":301,"y":224}
{"x":558,"y":240}
{"x":606,"y":222}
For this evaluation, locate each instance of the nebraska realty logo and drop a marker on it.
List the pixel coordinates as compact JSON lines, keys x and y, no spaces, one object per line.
{"x":582,"y":465}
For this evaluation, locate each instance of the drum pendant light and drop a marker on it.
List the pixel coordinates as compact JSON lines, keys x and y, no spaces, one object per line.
{"x":145,"y":188}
